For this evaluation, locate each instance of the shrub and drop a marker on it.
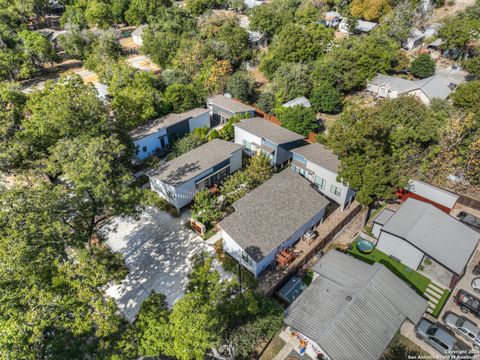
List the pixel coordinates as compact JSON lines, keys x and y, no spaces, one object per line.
{"x":326,"y":98}
{"x":422,"y":66}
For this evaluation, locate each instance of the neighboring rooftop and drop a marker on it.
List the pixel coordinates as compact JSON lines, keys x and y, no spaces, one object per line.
{"x":384,"y":216}
{"x":268,"y":130}
{"x":440,"y":236}
{"x":365,"y":26}
{"x":139,"y":31}
{"x":299,"y":101}
{"x":270,"y":214}
{"x":230,"y":104}
{"x":318,"y":154}
{"x":163,"y":122}
{"x":433,"y":193}
{"x":352,"y":310}
{"x":193,"y":163}
{"x":438,"y":86}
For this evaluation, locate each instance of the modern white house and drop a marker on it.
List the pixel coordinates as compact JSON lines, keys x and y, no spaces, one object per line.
{"x":222,"y":107}
{"x":320,"y":166}
{"x":157,"y":135}
{"x":178,"y":180}
{"x":438,"y":86}
{"x":137,"y":35}
{"x":419,"y":231}
{"x":258,"y":135}
{"x":351,"y":310}
{"x":270,"y":218}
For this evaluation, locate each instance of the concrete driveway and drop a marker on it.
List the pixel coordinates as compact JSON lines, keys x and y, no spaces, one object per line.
{"x":157,"y":249}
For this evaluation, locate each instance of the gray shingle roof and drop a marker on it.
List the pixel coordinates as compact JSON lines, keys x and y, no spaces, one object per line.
{"x":185,"y":167}
{"x":164,"y":122}
{"x":299,"y":101}
{"x":352,"y":310}
{"x":232,"y":105}
{"x":268,"y":215}
{"x":440,"y":236}
{"x":268,"y":130}
{"x":318,"y":154}
{"x":384,"y":216}
{"x":437,"y":86}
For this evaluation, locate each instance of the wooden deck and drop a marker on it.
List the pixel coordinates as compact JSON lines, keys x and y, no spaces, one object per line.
{"x":307,"y":250}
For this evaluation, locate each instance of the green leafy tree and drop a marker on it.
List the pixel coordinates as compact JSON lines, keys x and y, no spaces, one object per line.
{"x":273,"y":17}
{"x":298,"y":119}
{"x":74,"y":18}
{"x":198,"y":7}
{"x":182,"y":97}
{"x":228,"y":131}
{"x":119,"y":7}
{"x":67,"y":109}
{"x":37,"y":47}
{"x":472,"y":65}
{"x":296,"y":43}
{"x":467,"y":95}
{"x":106,"y":48}
{"x":139,"y":11}
{"x":187,"y":143}
{"x":422,"y":66}
{"x":98,"y":175}
{"x":205,"y":208}
{"x":291,"y":81}
{"x":154,"y":328}
{"x":99,"y":14}
{"x":267,"y":101}
{"x":241,"y":85}
{"x":326,"y":98}
{"x":76,"y":43}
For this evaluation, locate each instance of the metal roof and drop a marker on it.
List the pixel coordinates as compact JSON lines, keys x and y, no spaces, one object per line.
{"x":436,"y":194}
{"x":168,"y":120}
{"x":229,"y":104}
{"x":299,"y":101}
{"x":438,"y":235}
{"x":185,"y":167}
{"x":384,"y":216}
{"x":268,"y":130}
{"x":352,"y":310}
{"x":318,"y":154}
{"x":270,"y":214}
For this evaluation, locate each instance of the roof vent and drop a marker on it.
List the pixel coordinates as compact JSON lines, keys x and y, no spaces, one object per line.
{"x":348,"y":298}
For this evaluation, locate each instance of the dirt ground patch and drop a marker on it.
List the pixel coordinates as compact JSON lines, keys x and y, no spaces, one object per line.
{"x":448,"y":10}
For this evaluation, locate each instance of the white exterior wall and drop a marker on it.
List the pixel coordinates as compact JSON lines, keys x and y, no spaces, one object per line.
{"x":241,"y":135}
{"x":346,"y":194}
{"x":232,"y":248}
{"x":235,"y":250}
{"x":199,"y":121}
{"x":236,"y":161}
{"x":137,"y":40}
{"x":400,"y":249}
{"x":421,"y":96}
{"x":152,"y":142}
{"x":376,"y":229}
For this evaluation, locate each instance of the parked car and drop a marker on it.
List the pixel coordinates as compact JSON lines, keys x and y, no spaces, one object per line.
{"x":476,"y":284}
{"x":463,"y":326}
{"x":469,"y":219}
{"x":467,"y":302}
{"x":440,"y":338}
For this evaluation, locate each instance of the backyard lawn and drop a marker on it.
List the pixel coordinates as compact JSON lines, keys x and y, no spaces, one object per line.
{"x":416,"y":280}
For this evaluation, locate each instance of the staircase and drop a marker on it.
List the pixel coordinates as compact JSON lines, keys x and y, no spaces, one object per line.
{"x":433,"y":293}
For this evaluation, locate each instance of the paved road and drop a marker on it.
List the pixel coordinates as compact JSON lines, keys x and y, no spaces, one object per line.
{"x":157,"y":249}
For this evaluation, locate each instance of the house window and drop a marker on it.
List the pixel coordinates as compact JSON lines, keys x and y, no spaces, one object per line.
{"x":246,"y":258}
{"x":294,"y":168}
{"x":247,"y":144}
{"x":302,"y":172}
{"x":335,"y":190}
{"x":320,"y":182}
{"x":170,"y":194}
{"x":144,"y":149}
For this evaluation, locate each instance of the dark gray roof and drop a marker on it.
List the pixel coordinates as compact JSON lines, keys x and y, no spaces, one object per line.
{"x":185,"y":167}
{"x":440,"y":236}
{"x":268,"y":215}
{"x":384,"y":216}
{"x":164,"y":122}
{"x":352,"y":310}
{"x":318,"y":154}
{"x":229,"y":104}
{"x":268,"y":130}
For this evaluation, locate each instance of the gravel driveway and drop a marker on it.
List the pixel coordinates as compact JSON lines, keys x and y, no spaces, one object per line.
{"x":157,"y":249}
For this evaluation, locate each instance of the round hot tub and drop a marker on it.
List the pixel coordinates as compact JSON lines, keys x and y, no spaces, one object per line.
{"x":365,"y":246}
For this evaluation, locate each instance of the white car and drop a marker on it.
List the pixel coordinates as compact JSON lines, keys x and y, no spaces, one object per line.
{"x":476,"y":284}
{"x":463,"y":326}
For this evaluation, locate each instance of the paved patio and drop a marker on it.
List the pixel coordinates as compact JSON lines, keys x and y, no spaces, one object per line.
{"x":157,"y":249}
